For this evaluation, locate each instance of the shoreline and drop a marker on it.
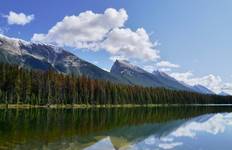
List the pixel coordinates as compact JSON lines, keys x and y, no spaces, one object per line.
{"x":82,"y":106}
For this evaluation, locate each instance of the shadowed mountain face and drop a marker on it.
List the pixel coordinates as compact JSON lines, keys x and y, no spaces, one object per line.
{"x":137,"y":76}
{"x":47,"y":57}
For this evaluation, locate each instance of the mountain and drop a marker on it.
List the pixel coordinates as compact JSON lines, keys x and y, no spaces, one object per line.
{"x":170,"y":81}
{"x":133,"y":74}
{"x":201,"y":89}
{"x":137,"y":76}
{"x":223,"y":94}
{"x":47,"y":57}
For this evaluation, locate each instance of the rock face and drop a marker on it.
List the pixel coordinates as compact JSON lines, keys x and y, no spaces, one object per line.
{"x":137,"y":76}
{"x":47,"y":57}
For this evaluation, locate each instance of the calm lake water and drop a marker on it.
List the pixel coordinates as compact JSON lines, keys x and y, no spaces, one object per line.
{"x":181,"y":128}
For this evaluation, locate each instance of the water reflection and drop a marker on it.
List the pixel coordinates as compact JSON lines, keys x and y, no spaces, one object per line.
{"x":116,"y":128}
{"x":204,"y":132}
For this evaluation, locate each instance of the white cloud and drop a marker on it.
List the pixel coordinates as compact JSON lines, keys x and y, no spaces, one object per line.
{"x":106,"y":31}
{"x":167,"y":64}
{"x":18,"y":18}
{"x":149,"y":68}
{"x":85,"y":30}
{"x":153,"y":142}
{"x":114,"y":58}
{"x":210,"y":81}
{"x":166,"y":139}
{"x":150,"y":140}
{"x":165,"y":69}
{"x":183,"y":76}
{"x":215,"y":125}
{"x":125,"y":42}
{"x":169,"y":145}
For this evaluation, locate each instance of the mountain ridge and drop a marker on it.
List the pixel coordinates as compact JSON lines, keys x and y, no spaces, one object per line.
{"x":45,"y":57}
{"x":138,"y":76}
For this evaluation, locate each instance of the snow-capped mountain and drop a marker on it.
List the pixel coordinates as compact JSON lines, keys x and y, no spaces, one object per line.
{"x":47,"y":57}
{"x":137,"y":76}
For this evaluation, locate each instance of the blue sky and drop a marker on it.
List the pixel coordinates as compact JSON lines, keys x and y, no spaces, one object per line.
{"x":194,"y":35}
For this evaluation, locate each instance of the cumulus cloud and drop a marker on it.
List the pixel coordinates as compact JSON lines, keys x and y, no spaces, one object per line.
{"x":125,"y":42}
{"x":167,"y":64}
{"x":18,"y":18}
{"x":85,"y":30}
{"x":95,"y":31}
{"x":210,"y":81}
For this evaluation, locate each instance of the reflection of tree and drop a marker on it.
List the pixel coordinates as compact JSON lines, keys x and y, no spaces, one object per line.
{"x":48,"y":125}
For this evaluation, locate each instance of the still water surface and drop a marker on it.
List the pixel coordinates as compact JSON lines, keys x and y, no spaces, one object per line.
{"x":181,"y":128}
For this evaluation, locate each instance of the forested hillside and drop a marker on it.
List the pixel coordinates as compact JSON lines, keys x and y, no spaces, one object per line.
{"x":19,"y":85}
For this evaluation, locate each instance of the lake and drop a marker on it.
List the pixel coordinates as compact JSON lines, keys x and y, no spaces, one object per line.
{"x":155,"y":128}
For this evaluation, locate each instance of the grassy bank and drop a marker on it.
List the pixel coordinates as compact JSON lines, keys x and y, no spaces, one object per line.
{"x":24,"y":106}
{"x":76,"y":106}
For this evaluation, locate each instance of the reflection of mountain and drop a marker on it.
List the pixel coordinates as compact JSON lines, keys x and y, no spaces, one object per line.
{"x":193,"y":133}
{"x":118,"y":138}
{"x":63,"y":128}
{"x":122,"y":137}
{"x":150,"y":136}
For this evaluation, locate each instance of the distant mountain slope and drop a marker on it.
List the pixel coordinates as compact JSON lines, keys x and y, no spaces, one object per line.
{"x":170,"y":81}
{"x":201,"y":89}
{"x":223,"y":94}
{"x":47,"y":57}
{"x":137,"y":76}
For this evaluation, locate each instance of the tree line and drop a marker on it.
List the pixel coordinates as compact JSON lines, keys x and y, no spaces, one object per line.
{"x":18,"y":85}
